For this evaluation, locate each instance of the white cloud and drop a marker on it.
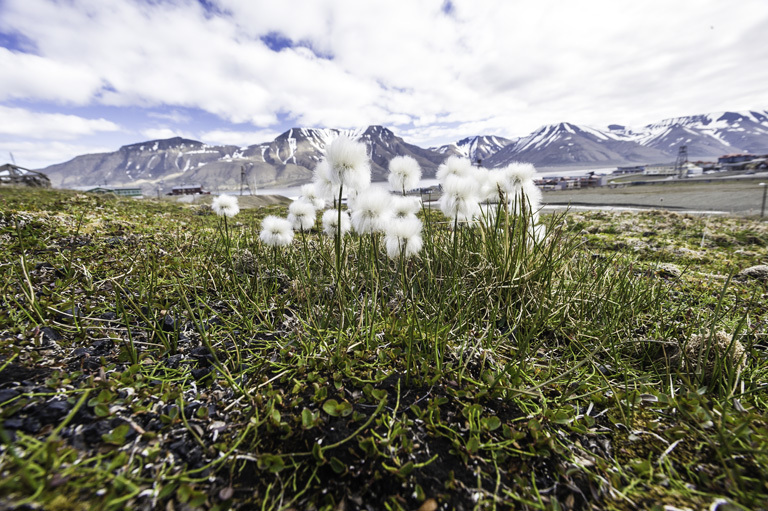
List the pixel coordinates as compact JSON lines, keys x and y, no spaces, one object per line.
{"x":490,"y":66}
{"x":174,"y":116}
{"x":18,"y":122}
{"x":38,"y":154}
{"x":44,"y":78}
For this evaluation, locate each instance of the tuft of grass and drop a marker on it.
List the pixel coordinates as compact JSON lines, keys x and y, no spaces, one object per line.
{"x":150,"y":358}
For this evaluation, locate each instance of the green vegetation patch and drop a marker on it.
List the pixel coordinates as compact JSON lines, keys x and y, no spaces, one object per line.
{"x":154,"y":356}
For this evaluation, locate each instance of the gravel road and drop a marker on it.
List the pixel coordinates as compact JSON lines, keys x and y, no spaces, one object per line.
{"x":741,"y":197}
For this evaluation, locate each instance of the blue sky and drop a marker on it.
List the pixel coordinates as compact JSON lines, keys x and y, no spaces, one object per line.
{"x":84,"y":76}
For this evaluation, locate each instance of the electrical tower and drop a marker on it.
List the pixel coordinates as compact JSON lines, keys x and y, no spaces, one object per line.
{"x":682,"y":158}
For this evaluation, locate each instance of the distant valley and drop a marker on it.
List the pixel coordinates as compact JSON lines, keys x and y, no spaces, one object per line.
{"x":290,"y":158}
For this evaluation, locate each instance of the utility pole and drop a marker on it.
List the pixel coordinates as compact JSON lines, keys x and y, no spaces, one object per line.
{"x":242,"y":178}
{"x":765,"y":190}
{"x":682,"y":159}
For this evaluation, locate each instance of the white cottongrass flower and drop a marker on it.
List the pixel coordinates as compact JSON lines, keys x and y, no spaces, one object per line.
{"x":460,"y":198}
{"x":518,"y":175}
{"x":371,"y":209}
{"x":225,"y":205}
{"x":301,"y":214}
{"x":454,"y":166}
{"x":349,"y":163}
{"x":403,"y":237}
{"x":404,"y":173}
{"x":310,"y":192}
{"x":331,"y":222}
{"x":403,"y":206}
{"x":322,"y":181}
{"x":494,"y":181}
{"x":521,"y":191}
{"x":276,"y":231}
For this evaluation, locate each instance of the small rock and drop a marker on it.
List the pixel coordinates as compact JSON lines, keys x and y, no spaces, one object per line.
{"x":718,"y":346}
{"x":50,"y":335}
{"x":759,"y":272}
{"x":70,"y":314}
{"x":428,"y":505}
{"x":168,"y":324}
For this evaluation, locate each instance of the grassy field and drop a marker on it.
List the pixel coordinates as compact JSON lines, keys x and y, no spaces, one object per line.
{"x":154,"y":356}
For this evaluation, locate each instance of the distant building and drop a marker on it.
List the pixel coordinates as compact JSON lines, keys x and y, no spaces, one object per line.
{"x":188,"y":190}
{"x":590,"y":180}
{"x":741,"y":161}
{"x":122,"y":191}
{"x":660,"y":169}
{"x":633,"y":169}
{"x":729,"y":159}
{"x":705,"y":165}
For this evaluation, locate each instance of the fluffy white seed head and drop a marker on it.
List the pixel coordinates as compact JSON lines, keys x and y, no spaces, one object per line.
{"x":276,"y":231}
{"x":460,"y":198}
{"x":527,"y":199}
{"x":349,"y":163}
{"x":331,"y":221}
{"x":404,"y":173}
{"x":495,"y":180}
{"x":324,"y":187}
{"x":403,"y":237}
{"x":518,"y":174}
{"x":403,"y":206}
{"x":310,"y":193}
{"x":225,"y":205}
{"x":454,"y":166}
{"x":522,"y":193}
{"x":370,"y":210}
{"x":301,"y":214}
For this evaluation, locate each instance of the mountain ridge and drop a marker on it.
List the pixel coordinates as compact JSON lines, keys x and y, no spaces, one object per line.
{"x":290,"y":158}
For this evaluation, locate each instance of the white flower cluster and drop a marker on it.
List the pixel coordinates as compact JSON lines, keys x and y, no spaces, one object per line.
{"x":346,"y":168}
{"x":466,"y":188}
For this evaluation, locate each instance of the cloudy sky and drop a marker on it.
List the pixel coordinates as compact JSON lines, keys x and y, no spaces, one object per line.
{"x":79,"y":76}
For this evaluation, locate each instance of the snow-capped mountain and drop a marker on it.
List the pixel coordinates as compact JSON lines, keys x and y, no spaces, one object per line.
{"x":145,"y":162}
{"x":568,"y":144}
{"x":710,"y":134}
{"x":706,"y":136}
{"x":288,"y":160}
{"x":475,"y":148}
